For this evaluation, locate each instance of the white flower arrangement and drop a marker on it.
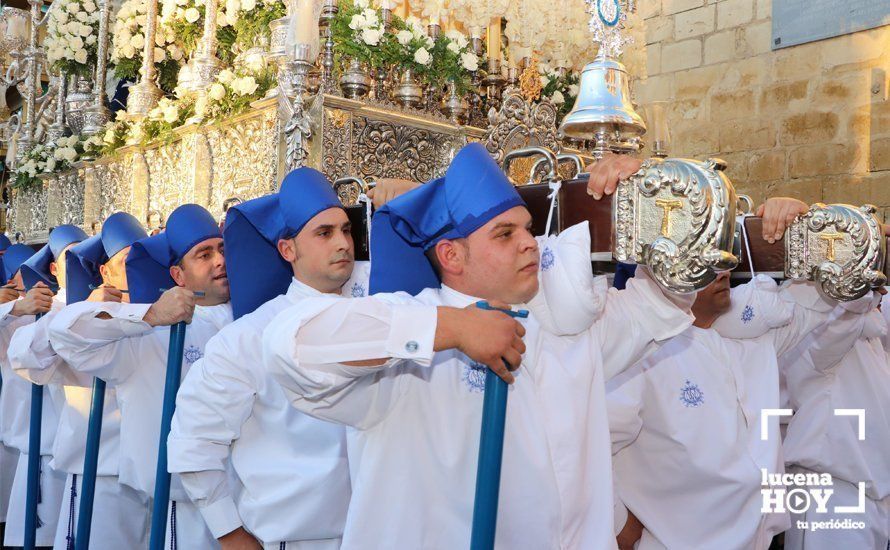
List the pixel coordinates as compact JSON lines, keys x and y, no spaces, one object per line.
{"x":53,"y":157}
{"x":184,"y":20}
{"x":128,"y":40}
{"x":72,"y":32}
{"x":367,"y":25}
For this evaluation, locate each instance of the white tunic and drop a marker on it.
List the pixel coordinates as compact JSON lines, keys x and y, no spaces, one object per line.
{"x":685,"y":425}
{"x":15,"y":428}
{"x":826,"y":378}
{"x":292,"y":467}
{"x":413,"y":455}
{"x":15,"y":396}
{"x":131,"y":356}
{"x":120,"y":514}
{"x":34,"y":359}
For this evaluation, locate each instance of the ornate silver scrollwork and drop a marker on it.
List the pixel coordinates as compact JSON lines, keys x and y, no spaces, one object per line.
{"x":840,"y":247}
{"x":520,"y":124}
{"x":676,"y":216}
{"x":548,"y":162}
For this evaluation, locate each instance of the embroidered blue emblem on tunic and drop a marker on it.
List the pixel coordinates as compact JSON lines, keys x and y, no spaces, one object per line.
{"x":192,"y":354}
{"x":747,"y":314}
{"x":474,"y":377}
{"x":547,"y":259}
{"x":691,"y":395}
{"x":358,"y":290}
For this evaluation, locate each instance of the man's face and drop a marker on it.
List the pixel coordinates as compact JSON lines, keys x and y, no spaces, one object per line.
{"x":58,"y":268}
{"x":17,"y":281}
{"x":114,"y":272}
{"x":714,"y":299}
{"x":498,"y":261}
{"x":203,"y":269}
{"x":322,"y":253}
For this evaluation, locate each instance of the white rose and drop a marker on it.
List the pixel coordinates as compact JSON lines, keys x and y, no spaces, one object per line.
{"x":137,"y":41}
{"x":192,"y":15}
{"x":75,"y":42}
{"x":50,"y":165}
{"x":429,"y":42}
{"x":404,"y":37}
{"x":469,"y":61}
{"x":108,"y":138}
{"x":82,"y":16}
{"x":128,"y":51}
{"x":159,"y":55}
{"x":557,"y":98}
{"x":370,"y":16}
{"x":453,"y":47}
{"x":175,"y":53}
{"x":245,"y":85}
{"x":573,"y":90}
{"x":217,"y":91}
{"x":81,"y":56}
{"x":225,"y":76}
{"x":226,"y":19}
{"x":248,"y":5}
{"x":85,"y":30}
{"x":422,"y":56}
{"x":357,"y":22}
{"x":91,"y":39}
{"x":171,"y":114}
{"x":371,"y":37}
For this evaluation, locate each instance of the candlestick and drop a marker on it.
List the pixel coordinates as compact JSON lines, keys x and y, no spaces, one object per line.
{"x":145,"y":94}
{"x":98,"y":114}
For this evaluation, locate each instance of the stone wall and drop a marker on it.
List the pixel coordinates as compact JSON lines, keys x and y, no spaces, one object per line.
{"x":810,"y":121}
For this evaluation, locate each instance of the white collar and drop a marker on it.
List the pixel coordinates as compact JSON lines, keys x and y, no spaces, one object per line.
{"x":454,"y":298}
{"x":299,"y":290}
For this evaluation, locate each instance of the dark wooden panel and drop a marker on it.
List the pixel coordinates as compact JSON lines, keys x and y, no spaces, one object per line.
{"x":575,"y":206}
{"x":356,"y":216}
{"x":767,"y":257}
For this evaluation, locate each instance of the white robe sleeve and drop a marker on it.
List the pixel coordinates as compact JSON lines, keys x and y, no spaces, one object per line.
{"x":811,"y":310}
{"x":636,"y":319}
{"x":214,"y":401}
{"x":306,"y":345}
{"x":624,"y":405}
{"x":9,"y":325}
{"x":6,"y":316}
{"x":836,"y":338}
{"x":34,"y":359}
{"x":105,"y":348}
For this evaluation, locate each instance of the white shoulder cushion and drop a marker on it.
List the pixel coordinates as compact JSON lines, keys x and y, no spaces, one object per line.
{"x":757,"y":307}
{"x":569,"y":299}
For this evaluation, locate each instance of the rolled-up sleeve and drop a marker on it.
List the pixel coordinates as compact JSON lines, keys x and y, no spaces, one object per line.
{"x":105,"y":348}
{"x":636,"y":319}
{"x":306,"y":346}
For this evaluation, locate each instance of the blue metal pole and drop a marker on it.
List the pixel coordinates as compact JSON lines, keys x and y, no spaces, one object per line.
{"x":90,"y":465}
{"x":33,"y":488}
{"x":162,"y":476}
{"x":491,"y":450}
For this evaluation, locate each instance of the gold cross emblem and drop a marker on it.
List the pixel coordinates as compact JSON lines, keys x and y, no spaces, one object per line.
{"x":829,"y":239}
{"x":667,"y":206}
